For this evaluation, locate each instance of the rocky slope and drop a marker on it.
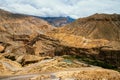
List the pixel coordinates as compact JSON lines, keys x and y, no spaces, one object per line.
{"x":28,"y":46}
{"x":97,"y":26}
{"x":55,"y":68}
{"x":25,"y":34}
{"x":16,"y":25}
{"x":16,"y":30}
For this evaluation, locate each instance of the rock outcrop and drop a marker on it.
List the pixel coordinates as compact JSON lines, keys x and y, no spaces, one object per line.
{"x":1,"y":48}
{"x":28,"y":46}
{"x":17,"y":29}
{"x":100,"y":27}
{"x":61,"y":68}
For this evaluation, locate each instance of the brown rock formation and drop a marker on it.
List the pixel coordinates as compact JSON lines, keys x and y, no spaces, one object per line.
{"x":97,"y":26}
{"x":20,"y":27}
{"x":8,"y":67}
{"x":16,"y":30}
{"x":26,"y":40}
{"x":60,"y":68}
{"x":1,"y":48}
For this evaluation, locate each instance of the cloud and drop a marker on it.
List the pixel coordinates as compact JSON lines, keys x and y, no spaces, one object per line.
{"x":73,"y":8}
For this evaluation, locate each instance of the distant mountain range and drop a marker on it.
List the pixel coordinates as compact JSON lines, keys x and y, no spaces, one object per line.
{"x":58,"y":21}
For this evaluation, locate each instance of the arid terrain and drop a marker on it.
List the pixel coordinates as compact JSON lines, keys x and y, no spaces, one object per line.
{"x":86,"y":49}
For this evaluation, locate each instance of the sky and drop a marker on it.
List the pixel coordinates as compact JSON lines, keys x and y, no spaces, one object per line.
{"x":57,"y":8}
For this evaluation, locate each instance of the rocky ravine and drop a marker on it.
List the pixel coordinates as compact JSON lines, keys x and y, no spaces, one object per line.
{"x":27,"y":47}
{"x":98,"y":26}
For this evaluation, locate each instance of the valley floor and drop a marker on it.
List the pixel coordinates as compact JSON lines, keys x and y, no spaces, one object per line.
{"x":57,"y":68}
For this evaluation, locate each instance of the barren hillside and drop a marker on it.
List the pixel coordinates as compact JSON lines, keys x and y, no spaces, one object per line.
{"x":31,"y":49}
{"x":97,"y":26}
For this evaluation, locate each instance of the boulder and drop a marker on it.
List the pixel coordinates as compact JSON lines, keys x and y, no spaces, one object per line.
{"x":2,"y":48}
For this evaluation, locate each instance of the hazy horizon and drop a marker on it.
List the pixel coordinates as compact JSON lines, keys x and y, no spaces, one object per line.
{"x":61,"y":8}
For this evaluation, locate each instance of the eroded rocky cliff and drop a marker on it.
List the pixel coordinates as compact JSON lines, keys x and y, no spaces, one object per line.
{"x":30,"y":45}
